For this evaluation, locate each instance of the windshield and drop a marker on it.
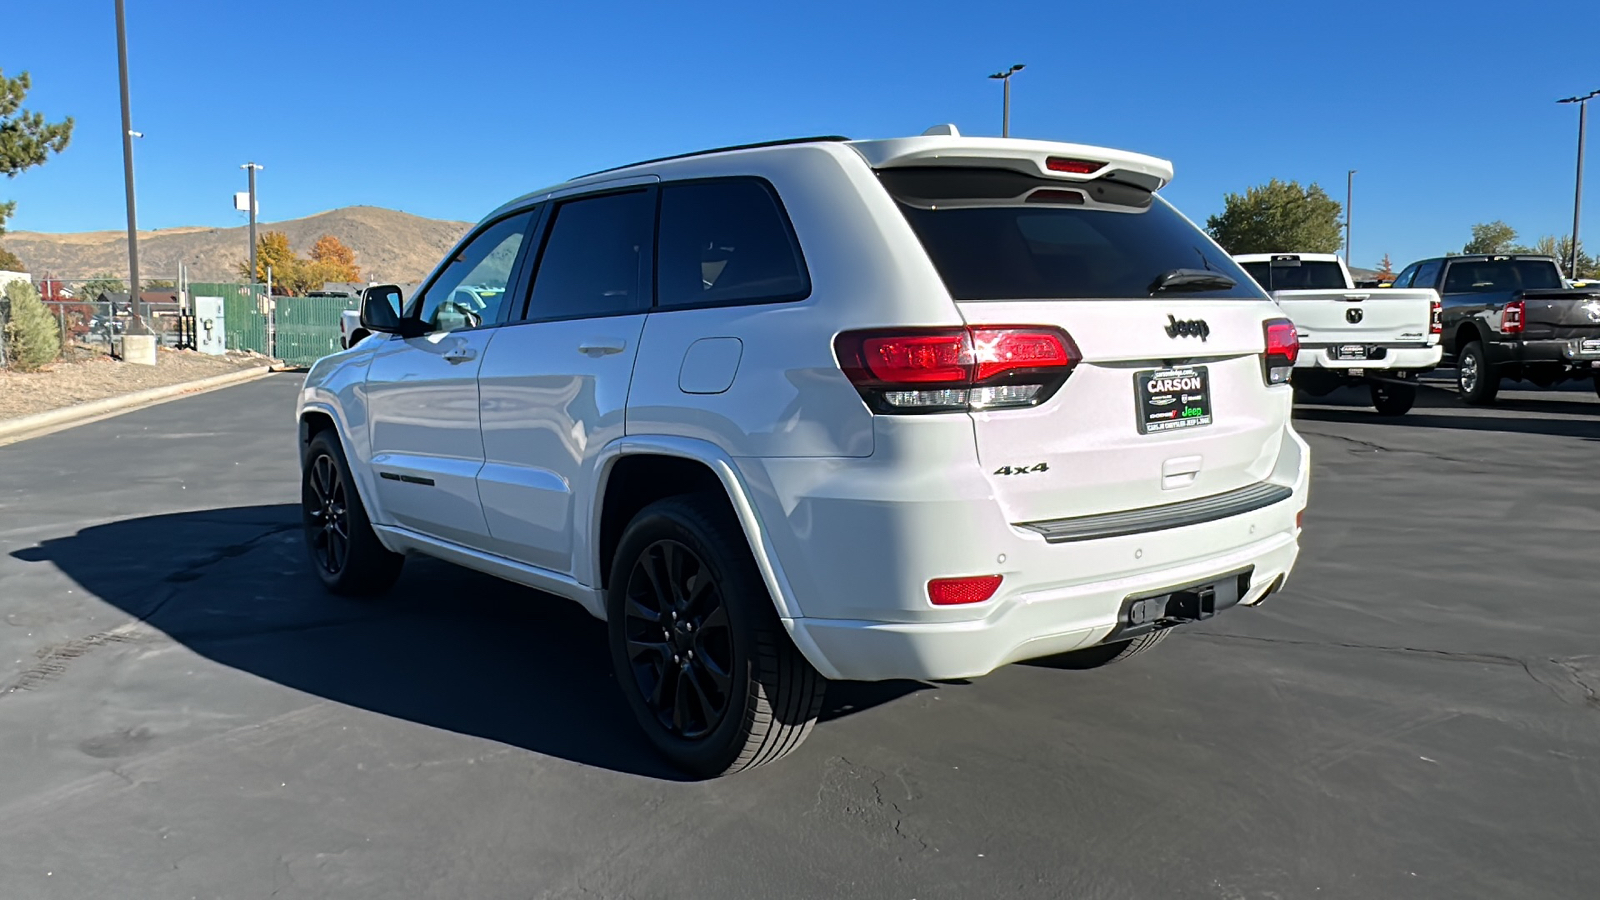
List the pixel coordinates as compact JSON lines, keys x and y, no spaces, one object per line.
{"x":1307,"y":276}
{"x":1000,"y":235}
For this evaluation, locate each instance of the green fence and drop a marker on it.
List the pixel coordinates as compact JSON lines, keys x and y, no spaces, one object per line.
{"x":242,"y":307}
{"x":307,"y":328}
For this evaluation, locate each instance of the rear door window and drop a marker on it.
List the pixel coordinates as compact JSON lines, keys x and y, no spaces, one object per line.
{"x":995,"y":234}
{"x":725,"y":242}
{"x":593,"y":258}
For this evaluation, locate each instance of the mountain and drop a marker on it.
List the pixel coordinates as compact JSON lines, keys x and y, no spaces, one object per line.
{"x":390,"y":246}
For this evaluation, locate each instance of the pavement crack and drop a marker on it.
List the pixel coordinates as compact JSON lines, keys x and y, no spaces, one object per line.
{"x":195,"y":570}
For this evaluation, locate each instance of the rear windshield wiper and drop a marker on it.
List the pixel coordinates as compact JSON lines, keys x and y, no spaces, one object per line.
{"x":1184,"y":280}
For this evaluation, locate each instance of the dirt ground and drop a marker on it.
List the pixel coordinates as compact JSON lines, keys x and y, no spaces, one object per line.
{"x":96,"y":377}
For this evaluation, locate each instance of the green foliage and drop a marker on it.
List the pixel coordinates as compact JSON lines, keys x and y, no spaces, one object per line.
{"x":1278,"y":216}
{"x":1561,"y":249}
{"x":32,"y":336}
{"x":1492,"y":238}
{"x":26,"y":139}
{"x":9,"y":262}
{"x":160,"y":284}
{"x":104,"y":283}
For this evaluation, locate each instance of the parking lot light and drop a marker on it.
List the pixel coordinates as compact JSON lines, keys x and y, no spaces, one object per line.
{"x":1577,"y":198}
{"x":1005,"y":79}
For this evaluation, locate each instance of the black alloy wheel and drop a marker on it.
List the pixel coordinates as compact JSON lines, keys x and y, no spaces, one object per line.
{"x":679,"y":642}
{"x":327,"y":514}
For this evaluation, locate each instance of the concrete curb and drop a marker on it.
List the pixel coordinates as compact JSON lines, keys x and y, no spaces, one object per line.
{"x":82,"y":412}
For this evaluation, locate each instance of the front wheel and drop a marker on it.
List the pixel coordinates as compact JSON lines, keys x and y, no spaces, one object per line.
{"x":1477,"y":378}
{"x":706,"y":667}
{"x":345,"y":553}
{"x":1393,"y":399}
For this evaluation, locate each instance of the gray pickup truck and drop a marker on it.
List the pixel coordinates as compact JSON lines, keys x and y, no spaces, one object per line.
{"x":1511,"y":317}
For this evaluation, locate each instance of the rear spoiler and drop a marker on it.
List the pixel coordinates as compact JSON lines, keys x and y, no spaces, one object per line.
{"x":1041,"y":159}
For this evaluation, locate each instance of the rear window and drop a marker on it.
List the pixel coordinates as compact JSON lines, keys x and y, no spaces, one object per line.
{"x":1307,"y":275}
{"x":994,"y":234}
{"x":725,"y":242}
{"x":1490,"y":275}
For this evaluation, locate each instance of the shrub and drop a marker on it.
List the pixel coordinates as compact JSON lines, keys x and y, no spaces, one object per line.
{"x":32,"y":336}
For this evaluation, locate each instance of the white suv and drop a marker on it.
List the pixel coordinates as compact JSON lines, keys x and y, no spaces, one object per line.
{"x":824,"y":409}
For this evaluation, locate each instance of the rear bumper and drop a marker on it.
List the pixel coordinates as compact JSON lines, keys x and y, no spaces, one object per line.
{"x":857,"y":569}
{"x":1381,"y":357}
{"x":1569,"y":351}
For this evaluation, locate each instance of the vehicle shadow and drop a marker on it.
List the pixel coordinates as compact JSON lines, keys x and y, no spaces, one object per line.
{"x":447,"y":647}
{"x":1576,"y":415}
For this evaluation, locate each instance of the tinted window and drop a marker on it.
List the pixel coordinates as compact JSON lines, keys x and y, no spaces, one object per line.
{"x":1427,"y":274}
{"x":1491,"y":275}
{"x":1403,"y":280}
{"x":1001,"y":235}
{"x":725,"y":242}
{"x":591,"y":259}
{"x":471,"y":291}
{"x":1305,"y":276}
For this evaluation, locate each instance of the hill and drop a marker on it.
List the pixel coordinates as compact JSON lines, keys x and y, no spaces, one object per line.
{"x":390,"y":246}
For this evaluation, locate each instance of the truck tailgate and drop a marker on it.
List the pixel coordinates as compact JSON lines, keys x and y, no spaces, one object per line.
{"x":1380,"y":316}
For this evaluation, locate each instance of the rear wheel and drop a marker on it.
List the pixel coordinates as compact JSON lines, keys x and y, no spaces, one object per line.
{"x":1106,"y":654}
{"x":345,"y":553}
{"x":706,"y":667}
{"x":1393,"y":399}
{"x":1477,"y":378}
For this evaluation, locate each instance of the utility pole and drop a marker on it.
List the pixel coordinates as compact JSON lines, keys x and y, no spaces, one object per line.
{"x":1349,"y":201}
{"x":1577,"y":194}
{"x":1005,"y":79}
{"x":135,"y":323}
{"x":251,"y":168}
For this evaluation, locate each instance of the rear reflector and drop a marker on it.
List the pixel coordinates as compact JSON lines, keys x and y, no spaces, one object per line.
{"x":1283,"y":348}
{"x":1513,"y":317}
{"x":956,"y":591}
{"x":956,"y":369}
{"x":1073,"y":166}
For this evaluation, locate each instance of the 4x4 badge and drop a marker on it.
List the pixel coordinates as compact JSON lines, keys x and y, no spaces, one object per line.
{"x":1177,"y":328}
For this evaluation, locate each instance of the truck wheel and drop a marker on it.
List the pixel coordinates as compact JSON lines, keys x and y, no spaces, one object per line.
{"x":1477,"y":378}
{"x":345,"y":553}
{"x":1393,"y":399}
{"x":706,"y":667}
{"x":1106,"y":654}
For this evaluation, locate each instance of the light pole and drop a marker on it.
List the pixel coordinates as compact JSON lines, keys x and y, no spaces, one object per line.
{"x":251,"y":168}
{"x":1349,"y":201}
{"x":1577,"y":194}
{"x":135,"y":323}
{"x":1005,"y":79}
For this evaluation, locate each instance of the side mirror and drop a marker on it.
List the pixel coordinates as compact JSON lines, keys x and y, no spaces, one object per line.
{"x":380,"y":309}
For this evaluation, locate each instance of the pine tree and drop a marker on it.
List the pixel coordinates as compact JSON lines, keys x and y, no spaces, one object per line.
{"x":32,"y":335}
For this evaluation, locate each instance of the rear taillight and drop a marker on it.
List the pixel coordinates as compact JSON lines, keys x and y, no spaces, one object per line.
{"x":1436,"y":318}
{"x":1513,"y":317}
{"x":1283,"y":348}
{"x":956,"y":369}
{"x":957,"y":591}
{"x":1073,"y":166}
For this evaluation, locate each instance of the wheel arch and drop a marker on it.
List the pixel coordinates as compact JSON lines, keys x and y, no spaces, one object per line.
{"x":316,"y":419}
{"x":635,"y":471}
{"x":1470,"y":331}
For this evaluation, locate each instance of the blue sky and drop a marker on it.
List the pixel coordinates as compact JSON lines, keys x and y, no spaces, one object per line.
{"x":447,"y":109}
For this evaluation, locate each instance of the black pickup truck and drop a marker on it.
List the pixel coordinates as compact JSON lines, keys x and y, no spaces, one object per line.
{"x":1511,"y":317}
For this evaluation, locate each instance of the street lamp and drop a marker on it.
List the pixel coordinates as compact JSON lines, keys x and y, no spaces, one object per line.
{"x":1005,"y":79}
{"x":252,"y":167}
{"x":1349,"y":201}
{"x":135,"y":322}
{"x":1577,"y":197}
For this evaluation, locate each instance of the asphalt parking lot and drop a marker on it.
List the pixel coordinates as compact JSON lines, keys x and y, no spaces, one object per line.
{"x":184,"y":713}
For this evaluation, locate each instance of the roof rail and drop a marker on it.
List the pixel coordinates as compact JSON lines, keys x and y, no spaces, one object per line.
{"x":830,"y":138}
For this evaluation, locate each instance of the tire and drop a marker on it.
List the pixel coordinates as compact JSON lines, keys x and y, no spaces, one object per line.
{"x":1106,"y":654}
{"x":1393,"y":399}
{"x":345,"y":553}
{"x":706,"y":667}
{"x":1478,"y":379}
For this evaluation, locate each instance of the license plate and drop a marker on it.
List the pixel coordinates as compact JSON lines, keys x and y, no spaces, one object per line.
{"x":1351,"y":351}
{"x":1170,"y":399}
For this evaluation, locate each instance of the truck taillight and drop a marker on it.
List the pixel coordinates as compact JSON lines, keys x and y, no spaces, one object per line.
{"x":1283,"y":348}
{"x":1436,"y":317}
{"x":923,"y":370}
{"x":1513,"y":317}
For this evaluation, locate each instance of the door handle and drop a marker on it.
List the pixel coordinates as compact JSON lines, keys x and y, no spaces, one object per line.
{"x":602,"y":346}
{"x":460,"y":355}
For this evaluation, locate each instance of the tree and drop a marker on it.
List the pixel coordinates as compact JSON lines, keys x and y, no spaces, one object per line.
{"x":9,"y":262}
{"x":1561,"y":249}
{"x":160,"y":284}
{"x":1278,"y":216}
{"x":1492,"y":238}
{"x":26,"y":139}
{"x":336,"y":261}
{"x":103,"y":283}
{"x":32,"y":336}
{"x":1386,"y":269}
